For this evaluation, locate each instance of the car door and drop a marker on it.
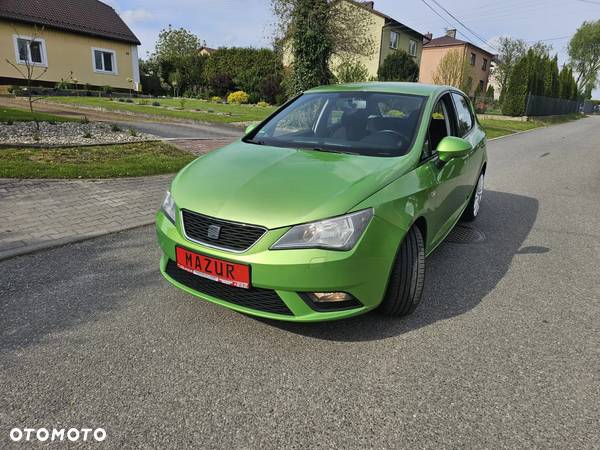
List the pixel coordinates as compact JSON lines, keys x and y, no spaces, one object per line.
{"x":447,"y":192}
{"x":468,"y":128}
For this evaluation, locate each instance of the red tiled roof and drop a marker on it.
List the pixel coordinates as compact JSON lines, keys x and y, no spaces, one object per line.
{"x":448,"y":41}
{"x":79,"y":16}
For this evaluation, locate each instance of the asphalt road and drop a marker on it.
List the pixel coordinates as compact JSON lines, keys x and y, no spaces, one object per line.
{"x":504,"y":351}
{"x":184,"y":130}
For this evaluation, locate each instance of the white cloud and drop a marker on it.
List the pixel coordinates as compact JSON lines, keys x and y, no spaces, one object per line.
{"x":136,"y":16}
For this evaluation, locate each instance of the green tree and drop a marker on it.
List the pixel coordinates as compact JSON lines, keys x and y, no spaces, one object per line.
{"x":177,"y":56}
{"x":490,"y":92}
{"x":175,"y":43}
{"x":150,"y":77}
{"x":258,"y":72}
{"x":516,"y":89}
{"x":584,"y":54}
{"x":454,"y":70}
{"x":398,"y":66}
{"x":509,"y":52}
{"x":351,"y":71}
{"x":564,"y":82}
{"x":313,"y":31}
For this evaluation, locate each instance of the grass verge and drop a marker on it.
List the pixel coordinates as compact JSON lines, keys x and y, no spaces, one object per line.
{"x":497,"y":127}
{"x":193,"y":109}
{"x":8,"y":115}
{"x":128,"y":160}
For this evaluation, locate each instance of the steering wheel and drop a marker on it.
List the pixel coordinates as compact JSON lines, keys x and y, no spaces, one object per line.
{"x":403,"y":138}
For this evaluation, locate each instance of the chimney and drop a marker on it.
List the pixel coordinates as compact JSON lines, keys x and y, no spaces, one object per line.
{"x":369,"y":5}
{"x":451,"y":32}
{"x":428,"y":37}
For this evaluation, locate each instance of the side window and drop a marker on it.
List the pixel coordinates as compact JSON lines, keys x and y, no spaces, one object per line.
{"x":412,"y":48}
{"x":439,"y":126}
{"x":394,"y":40}
{"x":463,"y":114}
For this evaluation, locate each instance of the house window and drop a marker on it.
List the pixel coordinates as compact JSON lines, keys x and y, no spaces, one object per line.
{"x":394,"y":39}
{"x":412,"y":47}
{"x":473,"y":58}
{"x":30,"y":51}
{"x":484,"y":65}
{"x":104,"y":61}
{"x":481,"y":84}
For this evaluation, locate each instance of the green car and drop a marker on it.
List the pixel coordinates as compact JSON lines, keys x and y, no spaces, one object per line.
{"x":328,"y":208}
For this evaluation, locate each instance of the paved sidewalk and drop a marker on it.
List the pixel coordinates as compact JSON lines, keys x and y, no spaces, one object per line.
{"x":36,"y":214}
{"x":200,"y":146}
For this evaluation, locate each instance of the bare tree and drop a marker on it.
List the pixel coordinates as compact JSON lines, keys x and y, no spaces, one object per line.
{"x":454,"y":70}
{"x":30,"y":71}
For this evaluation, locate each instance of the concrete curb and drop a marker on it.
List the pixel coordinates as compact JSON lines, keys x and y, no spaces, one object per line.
{"x":29,"y":249}
{"x":102,"y":144}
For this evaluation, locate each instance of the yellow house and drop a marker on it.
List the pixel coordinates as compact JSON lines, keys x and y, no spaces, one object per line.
{"x":387,"y":34}
{"x":83,"y":42}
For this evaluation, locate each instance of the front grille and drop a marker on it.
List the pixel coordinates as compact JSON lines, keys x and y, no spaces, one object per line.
{"x":232,"y":236}
{"x":265,"y":300}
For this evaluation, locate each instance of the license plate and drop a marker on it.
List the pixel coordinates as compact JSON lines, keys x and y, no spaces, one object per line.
{"x":215,"y":269}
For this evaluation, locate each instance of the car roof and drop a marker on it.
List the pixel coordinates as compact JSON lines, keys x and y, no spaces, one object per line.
{"x":385,"y":86}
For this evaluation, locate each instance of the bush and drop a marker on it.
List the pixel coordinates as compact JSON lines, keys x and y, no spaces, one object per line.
{"x":128,"y":100}
{"x":239,"y":97}
{"x":155,"y":103}
{"x":262,"y":104}
{"x":143,"y":102}
{"x":216,"y":99}
{"x":121,"y":99}
{"x":398,"y":66}
{"x":115,"y":128}
{"x":107,"y":89}
{"x":351,"y":71}
{"x":257,"y":72}
{"x":87,"y":135}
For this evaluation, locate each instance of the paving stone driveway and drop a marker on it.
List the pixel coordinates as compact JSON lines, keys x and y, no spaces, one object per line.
{"x":37,"y":214}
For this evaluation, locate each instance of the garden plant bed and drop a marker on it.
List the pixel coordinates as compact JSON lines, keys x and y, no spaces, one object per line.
{"x":67,"y":133}
{"x":171,"y":108}
{"x":105,"y":161}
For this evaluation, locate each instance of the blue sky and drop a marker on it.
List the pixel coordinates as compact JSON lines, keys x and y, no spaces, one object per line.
{"x":249,"y":23}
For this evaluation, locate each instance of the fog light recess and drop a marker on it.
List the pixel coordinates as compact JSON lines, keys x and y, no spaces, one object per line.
{"x":328,"y":297}
{"x":330,"y":301}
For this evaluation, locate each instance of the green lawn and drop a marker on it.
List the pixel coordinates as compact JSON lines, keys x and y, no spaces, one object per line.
{"x":129,"y":160}
{"x":497,"y":127}
{"x":207,"y":111}
{"x":19,"y":115}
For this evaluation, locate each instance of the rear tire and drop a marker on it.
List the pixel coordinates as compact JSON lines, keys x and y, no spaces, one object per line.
{"x":405,"y":287}
{"x":474,"y":205}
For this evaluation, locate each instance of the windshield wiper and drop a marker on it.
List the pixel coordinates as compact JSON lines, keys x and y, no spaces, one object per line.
{"x":252,"y":141}
{"x":325,"y":150}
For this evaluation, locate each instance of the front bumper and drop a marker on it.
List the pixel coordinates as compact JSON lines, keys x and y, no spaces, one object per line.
{"x":362,"y":271}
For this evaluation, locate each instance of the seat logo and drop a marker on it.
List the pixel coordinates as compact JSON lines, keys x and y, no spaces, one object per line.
{"x":214,"y":231}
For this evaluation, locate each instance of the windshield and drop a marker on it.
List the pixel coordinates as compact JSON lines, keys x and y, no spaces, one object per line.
{"x":362,"y":123}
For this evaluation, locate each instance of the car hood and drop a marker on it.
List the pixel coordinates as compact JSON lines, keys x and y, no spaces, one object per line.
{"x":276,"y":187}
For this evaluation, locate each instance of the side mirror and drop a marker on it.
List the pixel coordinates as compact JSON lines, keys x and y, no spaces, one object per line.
{"x":250,"y":127}
{"x":453,"y":147}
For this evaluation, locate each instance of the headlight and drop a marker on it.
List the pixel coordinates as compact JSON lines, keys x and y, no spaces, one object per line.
{"x":168,"y":207}
{"x":338,"y":233}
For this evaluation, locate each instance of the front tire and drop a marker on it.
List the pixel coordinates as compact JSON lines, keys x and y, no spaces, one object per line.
{"x":405,"y":287}
{"x":474,"y":205}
